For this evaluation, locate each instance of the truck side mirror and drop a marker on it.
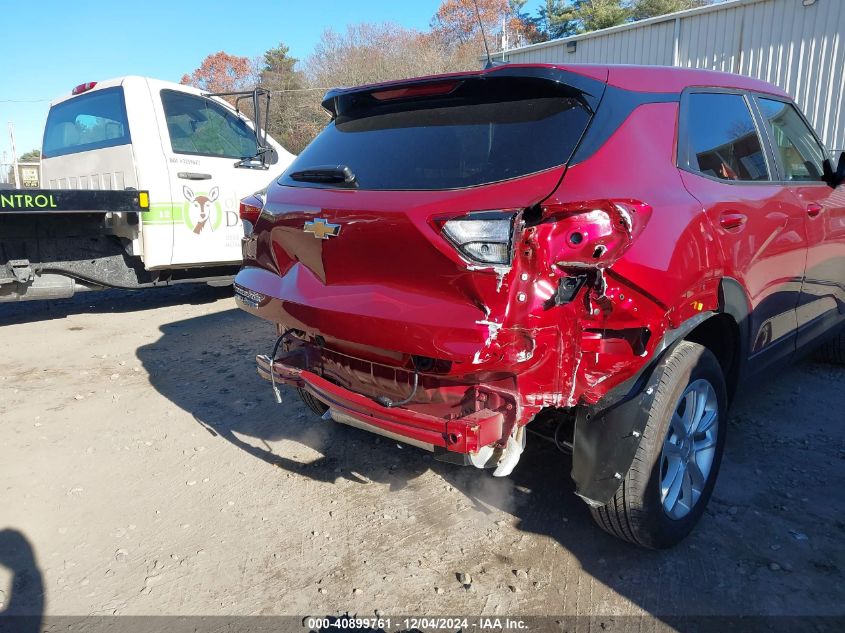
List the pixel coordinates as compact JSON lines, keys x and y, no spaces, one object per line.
{"x":834,"y":178}
{"x":261,"y":97}
{"x":265,"y":155}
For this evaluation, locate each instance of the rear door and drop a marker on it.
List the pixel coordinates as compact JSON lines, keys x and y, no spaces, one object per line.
{"x":760,"y":226}
{"x":799,"y":155}
{"x":203,"y":142}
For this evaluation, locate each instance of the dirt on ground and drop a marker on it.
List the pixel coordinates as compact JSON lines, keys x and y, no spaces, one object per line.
{"x":146,"y":469}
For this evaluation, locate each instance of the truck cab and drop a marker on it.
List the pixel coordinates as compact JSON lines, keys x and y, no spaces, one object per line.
{"x":188,"y":149}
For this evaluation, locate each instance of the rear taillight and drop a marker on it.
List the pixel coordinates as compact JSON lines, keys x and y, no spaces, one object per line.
{"x":78,"y":90}
{"x":484,"y":237}
{"x":594,"y":233}
{"x":250,"y":209}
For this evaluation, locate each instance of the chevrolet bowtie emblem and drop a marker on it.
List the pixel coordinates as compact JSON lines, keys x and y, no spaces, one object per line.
{"x":321,"y":229}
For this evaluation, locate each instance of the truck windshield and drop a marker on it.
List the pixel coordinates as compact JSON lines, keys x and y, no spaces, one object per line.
{"x":482,"y":131}
{"x":90,"y":121}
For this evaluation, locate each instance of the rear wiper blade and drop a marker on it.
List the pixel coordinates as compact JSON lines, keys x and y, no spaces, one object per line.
{"x":330,"y":174}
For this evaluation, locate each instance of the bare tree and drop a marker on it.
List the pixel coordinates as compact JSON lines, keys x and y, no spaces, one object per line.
{"x":370,"y":53}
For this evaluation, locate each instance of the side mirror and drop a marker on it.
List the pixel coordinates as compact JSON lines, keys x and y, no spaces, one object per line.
{"x":834,"y":178}
{"x":265,"y":155}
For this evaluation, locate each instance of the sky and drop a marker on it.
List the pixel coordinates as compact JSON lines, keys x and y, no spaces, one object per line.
{"x":50,"y":46}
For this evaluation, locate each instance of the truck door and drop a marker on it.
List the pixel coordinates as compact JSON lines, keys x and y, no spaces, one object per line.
{"x":206,"y":140}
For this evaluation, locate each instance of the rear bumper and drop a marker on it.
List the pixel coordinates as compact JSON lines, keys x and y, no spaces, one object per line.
{"x":465,"y":434}
{"x":379,"y":316}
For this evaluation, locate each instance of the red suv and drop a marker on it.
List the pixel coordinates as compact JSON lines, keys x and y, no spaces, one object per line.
{"x":604,"y":252}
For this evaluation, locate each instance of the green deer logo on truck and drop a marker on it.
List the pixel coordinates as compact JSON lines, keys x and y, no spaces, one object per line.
{"x":203,"y":211}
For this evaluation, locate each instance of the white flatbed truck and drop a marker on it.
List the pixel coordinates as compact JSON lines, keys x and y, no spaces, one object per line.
{"x":142,"y":181}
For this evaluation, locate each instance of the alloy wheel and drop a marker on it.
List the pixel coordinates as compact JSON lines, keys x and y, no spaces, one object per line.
{"x":689,"y":449}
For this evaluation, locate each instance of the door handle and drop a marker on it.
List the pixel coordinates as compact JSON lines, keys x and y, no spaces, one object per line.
{"x":190,"y":175}
{"x":731,"y":221}
{"x":813,"y":209}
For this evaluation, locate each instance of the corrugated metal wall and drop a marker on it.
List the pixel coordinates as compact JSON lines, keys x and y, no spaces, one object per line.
{"x":799,"y":48}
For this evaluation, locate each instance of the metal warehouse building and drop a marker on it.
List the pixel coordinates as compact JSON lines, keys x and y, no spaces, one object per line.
{"x":796,"y":44}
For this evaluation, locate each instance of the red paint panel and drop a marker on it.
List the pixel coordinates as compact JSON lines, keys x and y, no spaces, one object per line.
{"x":667,"y":79}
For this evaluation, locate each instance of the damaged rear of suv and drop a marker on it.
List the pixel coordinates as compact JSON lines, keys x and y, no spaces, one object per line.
{"x":456,"y":257}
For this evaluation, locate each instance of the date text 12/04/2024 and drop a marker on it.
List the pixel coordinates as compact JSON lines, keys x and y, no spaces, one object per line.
{"x":415,"y":623}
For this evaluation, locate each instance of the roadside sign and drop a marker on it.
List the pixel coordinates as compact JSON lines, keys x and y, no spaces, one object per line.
{"x":30,"y":175}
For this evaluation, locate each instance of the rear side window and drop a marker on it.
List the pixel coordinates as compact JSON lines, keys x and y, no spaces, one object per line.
{"x":202,"y":127}
{"x":797,"y":149}
{"x":722,"y":139}
{"x":90,"y":121}
{"x":482,"y":131}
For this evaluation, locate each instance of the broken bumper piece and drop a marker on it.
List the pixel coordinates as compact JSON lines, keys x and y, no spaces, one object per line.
{"x":466,"y":435}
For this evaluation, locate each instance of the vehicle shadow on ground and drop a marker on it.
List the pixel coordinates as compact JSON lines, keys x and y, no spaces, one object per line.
{"x":23,"y":606}
{"x":110,"y":301}
{"x":722,"y":569}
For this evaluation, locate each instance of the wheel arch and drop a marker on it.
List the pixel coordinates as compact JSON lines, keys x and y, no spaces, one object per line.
{"x":607,"y":434}
{"x":721,"y":335}
{"x":725,"y":333}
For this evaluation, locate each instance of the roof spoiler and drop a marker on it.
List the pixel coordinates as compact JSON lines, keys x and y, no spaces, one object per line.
{"x":590,"y":90}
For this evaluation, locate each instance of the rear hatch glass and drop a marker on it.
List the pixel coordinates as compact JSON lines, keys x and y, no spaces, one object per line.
{"x":471,"y":132}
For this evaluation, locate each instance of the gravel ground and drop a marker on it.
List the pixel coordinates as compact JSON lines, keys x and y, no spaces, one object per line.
{"x":146,"y":469}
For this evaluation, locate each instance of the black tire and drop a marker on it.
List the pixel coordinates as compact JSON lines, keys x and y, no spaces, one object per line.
{"x":312,"y":403}
{"x":833,"y":351}
{"x":636,"y":513}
